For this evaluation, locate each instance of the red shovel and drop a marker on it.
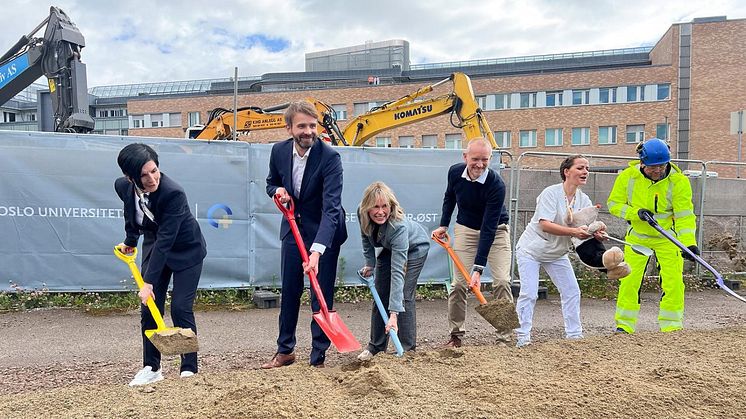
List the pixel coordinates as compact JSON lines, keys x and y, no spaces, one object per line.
{"x":328,"y":320}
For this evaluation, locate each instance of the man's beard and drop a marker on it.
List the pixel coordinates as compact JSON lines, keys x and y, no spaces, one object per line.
{"x":301,"y":144}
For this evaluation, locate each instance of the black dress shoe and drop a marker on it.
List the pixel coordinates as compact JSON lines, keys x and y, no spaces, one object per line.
{"x":279,"y":360}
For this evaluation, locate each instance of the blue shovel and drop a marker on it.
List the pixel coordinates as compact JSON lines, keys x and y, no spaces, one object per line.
{"x":371,"y":283}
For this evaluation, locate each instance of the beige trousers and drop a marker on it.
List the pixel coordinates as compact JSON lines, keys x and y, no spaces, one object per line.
{"x":465,"y":242}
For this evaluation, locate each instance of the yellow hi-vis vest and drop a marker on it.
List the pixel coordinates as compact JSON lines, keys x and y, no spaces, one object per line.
{"x":670,"y":199}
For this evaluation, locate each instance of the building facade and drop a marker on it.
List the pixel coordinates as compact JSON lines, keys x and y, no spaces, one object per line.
{"x":682,"y":89}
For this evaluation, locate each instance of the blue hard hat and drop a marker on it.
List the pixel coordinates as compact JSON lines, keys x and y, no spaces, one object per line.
{"x":653,"y":152}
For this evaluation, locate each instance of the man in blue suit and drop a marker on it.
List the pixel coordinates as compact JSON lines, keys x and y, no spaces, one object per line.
{"x":310,"y":171}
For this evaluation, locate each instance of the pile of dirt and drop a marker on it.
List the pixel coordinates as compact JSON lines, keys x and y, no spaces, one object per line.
{"x":729,"y":243}
{"x":500,"y":314}
{"x":692,"y":373}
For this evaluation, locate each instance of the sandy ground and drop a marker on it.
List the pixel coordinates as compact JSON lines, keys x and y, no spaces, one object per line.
{"x":63,"y":363}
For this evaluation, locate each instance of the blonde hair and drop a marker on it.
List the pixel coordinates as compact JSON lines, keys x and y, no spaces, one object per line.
{"x":372,"y":193}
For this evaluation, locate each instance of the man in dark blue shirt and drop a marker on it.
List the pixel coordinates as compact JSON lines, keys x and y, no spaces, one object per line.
{"x":481,"y":233}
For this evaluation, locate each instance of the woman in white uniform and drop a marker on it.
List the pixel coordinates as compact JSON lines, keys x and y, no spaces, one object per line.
{"x":546,"y":243}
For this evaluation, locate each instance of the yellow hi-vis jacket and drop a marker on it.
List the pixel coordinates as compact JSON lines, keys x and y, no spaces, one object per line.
{"x":670,"y":199}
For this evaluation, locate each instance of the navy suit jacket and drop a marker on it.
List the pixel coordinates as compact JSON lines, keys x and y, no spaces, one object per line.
{"x":174,"y":239}
{"x":318,"y":209}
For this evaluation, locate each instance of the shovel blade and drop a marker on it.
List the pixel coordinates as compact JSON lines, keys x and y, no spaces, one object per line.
{"x":173,"y":340}
{"x":500,"y":314}
{"x":336,"y":331}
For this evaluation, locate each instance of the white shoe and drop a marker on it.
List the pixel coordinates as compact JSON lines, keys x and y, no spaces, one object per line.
{"x":146,"y":376}
{"x":576,"y":337}
{"x":365,"y":355}
{"x":522,"y":342}
{"x":504,"y":337}
{"x":186,"y":374}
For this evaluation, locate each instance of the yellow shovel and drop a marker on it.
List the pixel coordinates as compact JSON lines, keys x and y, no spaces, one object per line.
{"x":168,"y":340}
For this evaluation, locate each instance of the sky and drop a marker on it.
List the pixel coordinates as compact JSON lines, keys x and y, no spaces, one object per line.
{"x":138,"y":41}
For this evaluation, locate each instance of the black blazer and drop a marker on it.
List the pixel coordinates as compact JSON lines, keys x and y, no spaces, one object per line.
{"x":318,"y":209}
{"x":174,"y":239}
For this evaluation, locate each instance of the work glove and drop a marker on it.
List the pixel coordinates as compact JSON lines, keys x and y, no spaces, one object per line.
{"x":645,"y":214}
{"x":694,"y":249}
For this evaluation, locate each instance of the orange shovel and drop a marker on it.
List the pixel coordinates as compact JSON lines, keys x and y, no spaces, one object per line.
{"x":499,"y":313}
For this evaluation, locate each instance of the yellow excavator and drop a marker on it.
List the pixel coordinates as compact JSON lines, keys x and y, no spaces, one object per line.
{"x":220,"y":123}
{"x":460,"y":103}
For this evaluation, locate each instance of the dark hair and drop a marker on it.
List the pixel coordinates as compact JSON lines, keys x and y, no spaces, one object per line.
{"x":567,"y":163}
{"x":133,"y":157}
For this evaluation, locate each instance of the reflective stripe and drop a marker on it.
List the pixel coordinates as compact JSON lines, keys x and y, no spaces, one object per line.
{"x":668,"y":320}
{"x":631,"y":190}
{"x":669,"y":192}
{"x":680,"y":214}
{"x":643,"y":236}
{"x":662,"y":215}
{"x":671,"y":315}
{"x":686,"y":231}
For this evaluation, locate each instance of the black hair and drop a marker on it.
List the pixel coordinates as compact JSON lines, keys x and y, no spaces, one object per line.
{"x":133,"y":157}
{"x":567,"y":163}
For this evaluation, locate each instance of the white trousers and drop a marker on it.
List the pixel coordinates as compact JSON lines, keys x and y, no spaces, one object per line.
{"x":561,"y":273}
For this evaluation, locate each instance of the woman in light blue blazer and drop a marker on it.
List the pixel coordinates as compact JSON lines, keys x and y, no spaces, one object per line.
{"x":404,"y":250}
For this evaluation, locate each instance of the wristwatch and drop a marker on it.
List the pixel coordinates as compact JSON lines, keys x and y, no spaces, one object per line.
{"x":477,"y":268}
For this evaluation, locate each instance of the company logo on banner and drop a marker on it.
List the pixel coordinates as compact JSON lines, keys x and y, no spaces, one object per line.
{"x":219,"y":215}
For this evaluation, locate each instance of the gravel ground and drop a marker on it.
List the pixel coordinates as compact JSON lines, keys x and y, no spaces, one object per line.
{"x":64,"y":363}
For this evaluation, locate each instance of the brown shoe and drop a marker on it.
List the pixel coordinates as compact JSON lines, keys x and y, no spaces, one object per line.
{"x":279,"y":360}
{"x":453,"y":342}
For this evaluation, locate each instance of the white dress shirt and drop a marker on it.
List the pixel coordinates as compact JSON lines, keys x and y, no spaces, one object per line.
{"x":299,"y":168}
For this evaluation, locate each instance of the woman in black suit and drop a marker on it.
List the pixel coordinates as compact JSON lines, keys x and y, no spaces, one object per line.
{"x":156,"y":207}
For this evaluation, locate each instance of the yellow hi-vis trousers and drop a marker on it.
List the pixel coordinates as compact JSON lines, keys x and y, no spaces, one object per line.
{"x":670,"y":265}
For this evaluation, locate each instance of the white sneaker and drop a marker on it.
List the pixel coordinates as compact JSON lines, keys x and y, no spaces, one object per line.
{"x":186,"y":374}
{"x":522,"y":342}
{"x":146,"y":376}
{"x":365,"y":355}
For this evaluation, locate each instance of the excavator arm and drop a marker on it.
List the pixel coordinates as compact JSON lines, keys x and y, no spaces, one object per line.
{"x":56,"y":55}
{"x":460,"y":103}
{"x":220,"y":123}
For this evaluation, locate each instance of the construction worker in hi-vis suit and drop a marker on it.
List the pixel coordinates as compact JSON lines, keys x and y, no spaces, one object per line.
{"x":654,"y":186}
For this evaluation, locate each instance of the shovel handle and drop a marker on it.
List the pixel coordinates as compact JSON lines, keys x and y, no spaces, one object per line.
{"x":289,"y":214}
{"x":377,"y":298}
{"x":129,"y":259}
{"x":445,"y":243}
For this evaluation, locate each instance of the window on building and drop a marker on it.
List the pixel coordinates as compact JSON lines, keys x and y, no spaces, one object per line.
{"x":553,"y":137}
{"x":481,"y":101}
{"x":103,"y":113}
{"x":174,"y":119}
{"x":138,"y":121}
{"x":340,"y":111}
{"x":554,"y":98}
{"x":664,"y":91}
{"x":429,"y":141}
{"x":581,"y":136}
{"x":528,"y":100}
{"x":581,"y":97}
{"x":32,"y":117}
{"x":383,"y":141}
{"x":527,"y":138}
{"x":359,"y":108}
{"x":502,"y":138}
{"x":607,"y":95}
{"x":502,"y":101}
{"x":661,"y":131}
{"x":635,"y":133}
{"x":193,"y":118}
{"x":607,"y":135}
{"x":406,"y":141}
{"x":635,"y":93}
{"x":156,"y":120}
{"x":9,"y":117}
{"x":453,"y":141}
